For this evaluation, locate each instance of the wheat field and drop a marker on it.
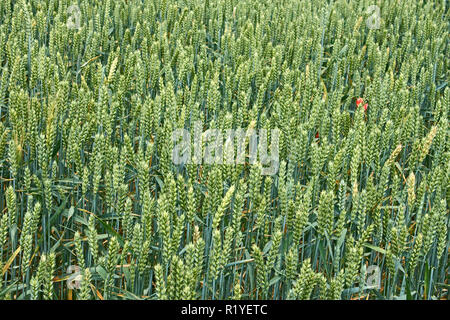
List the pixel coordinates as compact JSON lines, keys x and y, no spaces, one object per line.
{"x":339,"y":189}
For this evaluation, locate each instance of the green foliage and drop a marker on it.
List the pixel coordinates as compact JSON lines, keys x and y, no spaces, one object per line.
{"x":87,"y":114}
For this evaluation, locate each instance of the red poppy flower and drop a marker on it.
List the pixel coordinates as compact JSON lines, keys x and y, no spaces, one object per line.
{"x":317,"y":135}
{"x":359,"y":101}
{"x":365,"y":107}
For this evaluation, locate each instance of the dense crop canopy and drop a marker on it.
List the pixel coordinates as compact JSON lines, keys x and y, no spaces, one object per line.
{"x":351,"y":96}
